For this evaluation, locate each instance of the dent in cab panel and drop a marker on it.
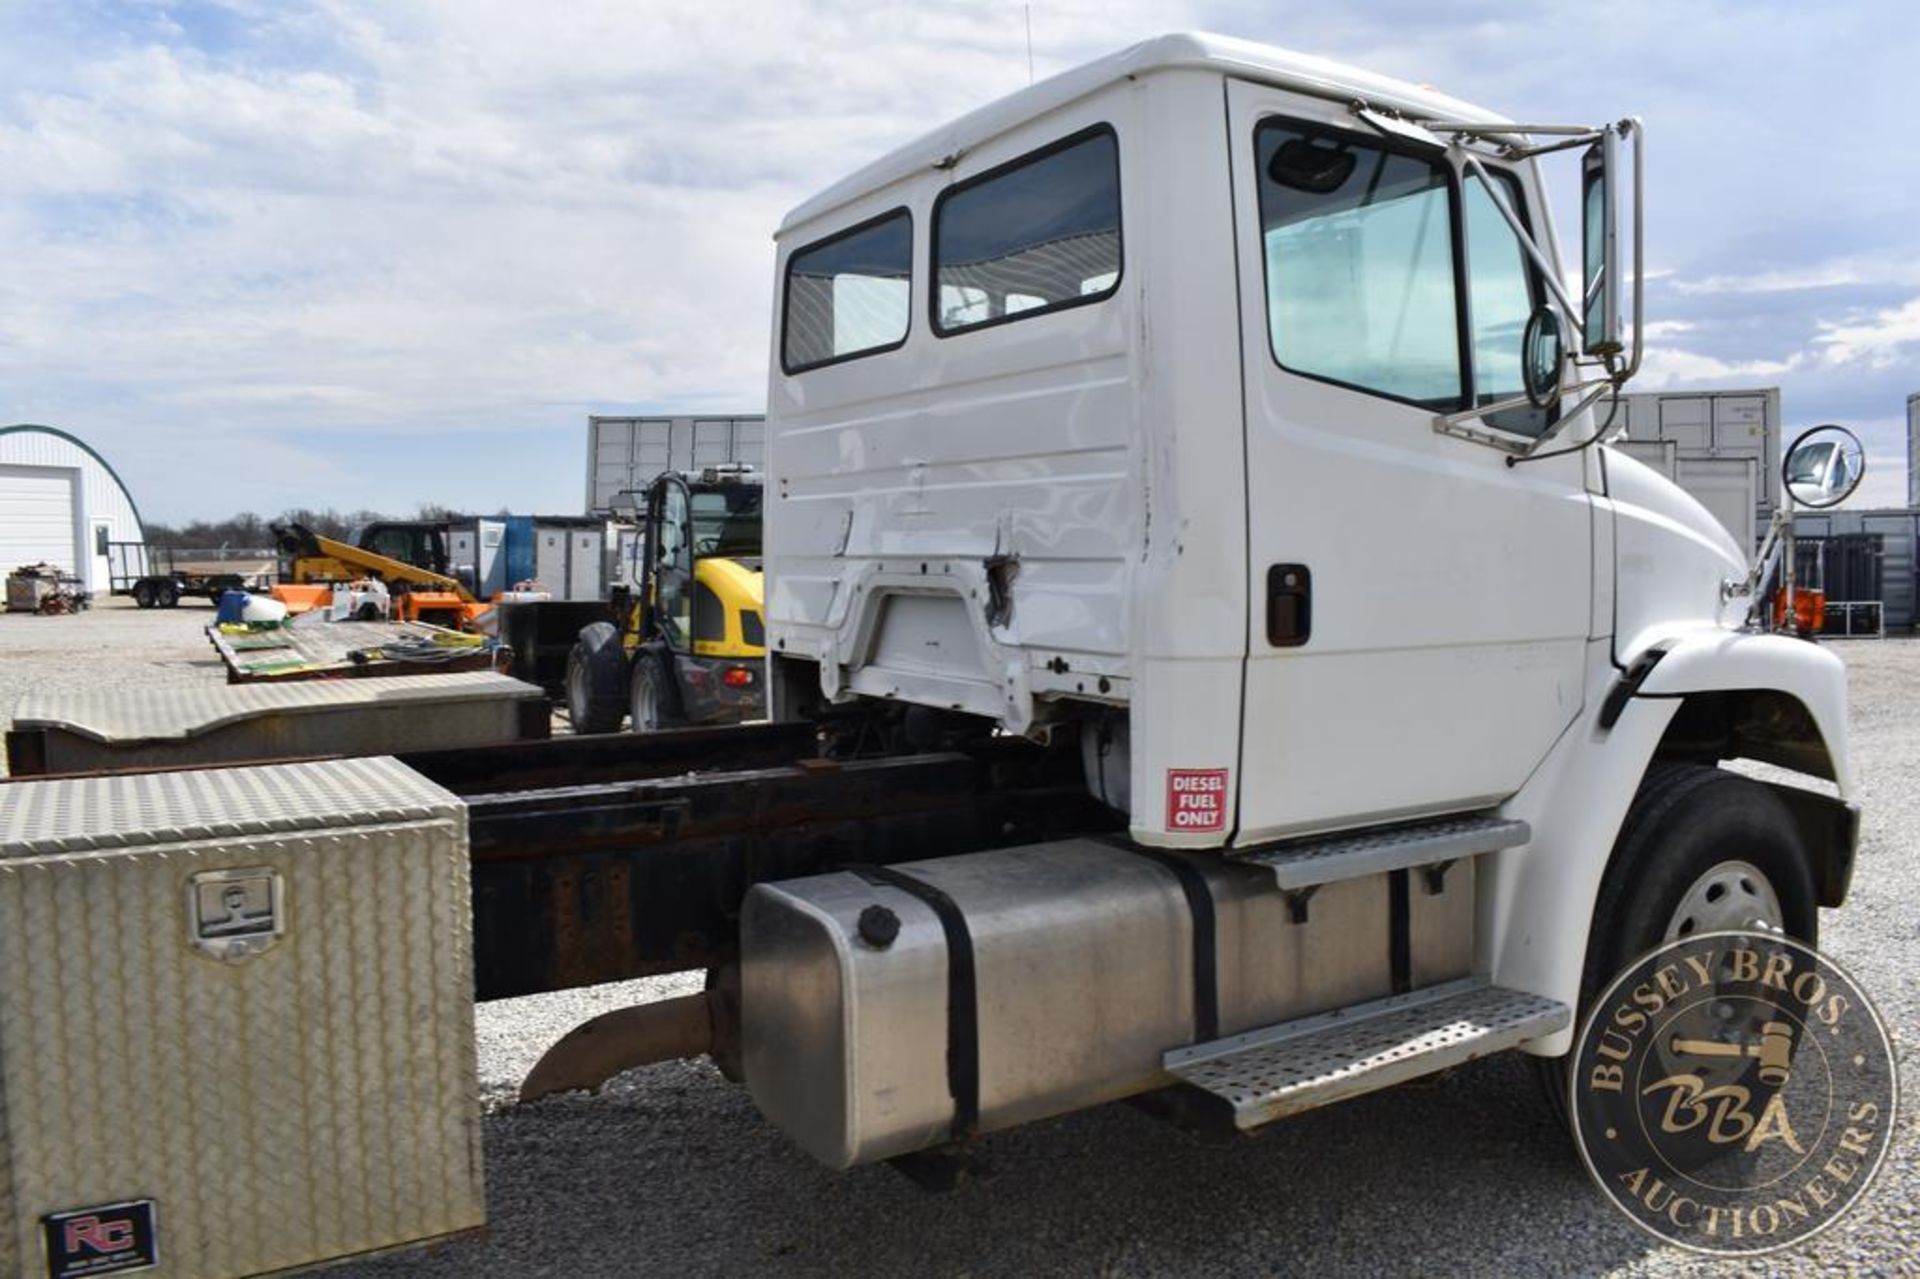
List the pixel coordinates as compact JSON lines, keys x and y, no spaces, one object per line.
{"x":955,"y":393}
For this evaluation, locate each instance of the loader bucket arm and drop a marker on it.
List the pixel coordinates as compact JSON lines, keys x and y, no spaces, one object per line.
{"x":301,"y":542}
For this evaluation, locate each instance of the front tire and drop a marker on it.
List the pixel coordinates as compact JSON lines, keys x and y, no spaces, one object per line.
{"x":655,"y":705}
{"x":1701,"y":850}
{"x":597,"y":680}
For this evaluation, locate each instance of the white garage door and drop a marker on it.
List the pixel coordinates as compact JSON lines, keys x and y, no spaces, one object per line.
{"x":36,"y":516}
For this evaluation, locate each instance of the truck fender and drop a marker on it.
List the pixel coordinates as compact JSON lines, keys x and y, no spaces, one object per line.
{"x":1536,"y":912}
{"x":1720,"y":661}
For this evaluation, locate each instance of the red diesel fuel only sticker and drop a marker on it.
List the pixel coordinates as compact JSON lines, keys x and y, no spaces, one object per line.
{"x":1196,"y":800}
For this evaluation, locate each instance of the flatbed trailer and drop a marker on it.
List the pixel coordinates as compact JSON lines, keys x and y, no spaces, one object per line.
{"x":313,"y":646}
{"x":148,"y":576}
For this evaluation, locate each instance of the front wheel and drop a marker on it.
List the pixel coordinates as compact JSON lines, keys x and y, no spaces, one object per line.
{"x":1701,"y":850}
{"x":597,"y":680}
{"x":654,"y":704}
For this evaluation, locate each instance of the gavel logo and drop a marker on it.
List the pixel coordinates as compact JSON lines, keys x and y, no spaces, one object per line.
{"x":1775,"y":1051}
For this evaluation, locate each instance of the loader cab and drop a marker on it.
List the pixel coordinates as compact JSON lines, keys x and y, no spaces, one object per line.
{"x":701,"y":548}
{"x":689,"y":641}
{"x":421,"y":543}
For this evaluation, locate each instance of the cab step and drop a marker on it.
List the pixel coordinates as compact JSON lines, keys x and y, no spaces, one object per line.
{"x":1282,"y":1070}
{"x":1325,"y":859}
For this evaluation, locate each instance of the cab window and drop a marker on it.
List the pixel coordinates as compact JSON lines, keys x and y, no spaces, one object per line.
{"x":1358,"y":243}
{"x":1365,"y":272}
{"x":1500,"y":297}
{"x":1036,"y":235}
{"x":849,"y":294}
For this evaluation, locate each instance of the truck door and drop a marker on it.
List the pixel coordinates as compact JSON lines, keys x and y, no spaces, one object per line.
{"x":1419,"y":606}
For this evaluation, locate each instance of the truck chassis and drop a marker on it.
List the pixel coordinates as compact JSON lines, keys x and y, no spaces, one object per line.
{"x":599,"y":859}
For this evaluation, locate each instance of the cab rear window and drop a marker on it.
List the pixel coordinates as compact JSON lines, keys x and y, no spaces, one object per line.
{"x":1039,"y":234}
{"x":849,"y":294}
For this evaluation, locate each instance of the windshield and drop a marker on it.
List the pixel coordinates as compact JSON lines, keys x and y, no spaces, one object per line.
{"x":727,"y":522}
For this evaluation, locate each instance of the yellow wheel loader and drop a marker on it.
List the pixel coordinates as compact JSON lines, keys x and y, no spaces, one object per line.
{"x":691,"y":642}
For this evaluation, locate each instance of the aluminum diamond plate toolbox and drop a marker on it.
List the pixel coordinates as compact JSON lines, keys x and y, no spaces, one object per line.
{"x":69,"y":732}
{"x":236,"y":1028}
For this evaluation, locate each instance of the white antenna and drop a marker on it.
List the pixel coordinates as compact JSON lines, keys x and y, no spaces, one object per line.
{"x":1029,"y":10}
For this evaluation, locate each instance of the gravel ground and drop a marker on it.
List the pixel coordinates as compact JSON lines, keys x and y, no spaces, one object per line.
{"x":672,"y":1171}
{"x":112,"y":645}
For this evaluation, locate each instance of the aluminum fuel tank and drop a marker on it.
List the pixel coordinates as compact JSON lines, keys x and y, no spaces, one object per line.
{"x":889,"y":1010}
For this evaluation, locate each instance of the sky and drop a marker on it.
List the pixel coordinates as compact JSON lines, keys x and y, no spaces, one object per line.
{"x":276,"y":253}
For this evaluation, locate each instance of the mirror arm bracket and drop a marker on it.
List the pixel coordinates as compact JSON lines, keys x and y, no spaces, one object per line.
{"x":1458,"y":424}
{"x":1572,"y":316}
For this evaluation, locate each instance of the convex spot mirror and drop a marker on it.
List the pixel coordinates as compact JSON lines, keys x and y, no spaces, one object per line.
{"x":1824,"y":467}
{"x":1542,"y":350}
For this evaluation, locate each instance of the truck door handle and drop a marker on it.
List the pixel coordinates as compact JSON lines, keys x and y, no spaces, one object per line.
{"x":1289,"y":605}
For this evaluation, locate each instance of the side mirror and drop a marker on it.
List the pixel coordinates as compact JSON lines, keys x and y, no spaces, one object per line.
{"x":1603,"y":271}
{"x":1824,"y":467}
{"x":1542,"y":355}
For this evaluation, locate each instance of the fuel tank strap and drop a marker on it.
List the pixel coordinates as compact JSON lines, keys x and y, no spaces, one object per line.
{"x":963,"y":1007}
{"x":1206,"y":951}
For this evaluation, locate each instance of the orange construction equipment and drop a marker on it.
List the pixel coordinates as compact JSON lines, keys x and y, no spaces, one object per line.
{"x":315,"y":563}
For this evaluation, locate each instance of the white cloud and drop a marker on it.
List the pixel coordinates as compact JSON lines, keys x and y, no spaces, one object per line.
{"x":246,"y":235}
{"x":1666,"y":367}
{"x":1881,"y":339}
{"x":1837,"y":273}
{"x":1660,"y":330}
{"x":438,"y":216}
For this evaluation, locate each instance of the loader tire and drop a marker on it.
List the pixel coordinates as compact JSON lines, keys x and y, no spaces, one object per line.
{"x":656,"y":703}
{"x":597,"y":680}
{"x":1701,"y":850}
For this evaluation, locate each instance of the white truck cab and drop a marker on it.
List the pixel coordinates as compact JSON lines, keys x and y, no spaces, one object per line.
{"x":1114,"y":403}
{"x":1220,"y":413}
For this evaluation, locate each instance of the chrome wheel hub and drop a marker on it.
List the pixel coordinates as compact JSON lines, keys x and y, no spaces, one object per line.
{"x":1729,"y":895}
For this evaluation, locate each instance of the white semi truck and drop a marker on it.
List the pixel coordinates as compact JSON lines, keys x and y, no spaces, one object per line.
{"x":1213,"y":657}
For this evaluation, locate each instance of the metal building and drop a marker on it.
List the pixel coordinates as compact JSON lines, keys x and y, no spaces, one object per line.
{"x":624,"y":454}
{"x":61,"y":503}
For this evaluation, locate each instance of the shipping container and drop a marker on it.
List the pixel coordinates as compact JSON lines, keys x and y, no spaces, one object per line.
{"x":1913,"y":450}
{"x":1897,"y":531}
{"x":1723,"y":447}
{"x":571,"y":557}
{"x":624,"y":454}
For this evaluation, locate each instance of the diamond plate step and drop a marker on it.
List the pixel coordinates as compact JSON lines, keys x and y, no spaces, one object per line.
{"x":1324,"y":859}
{"x":1281,"y":1070}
